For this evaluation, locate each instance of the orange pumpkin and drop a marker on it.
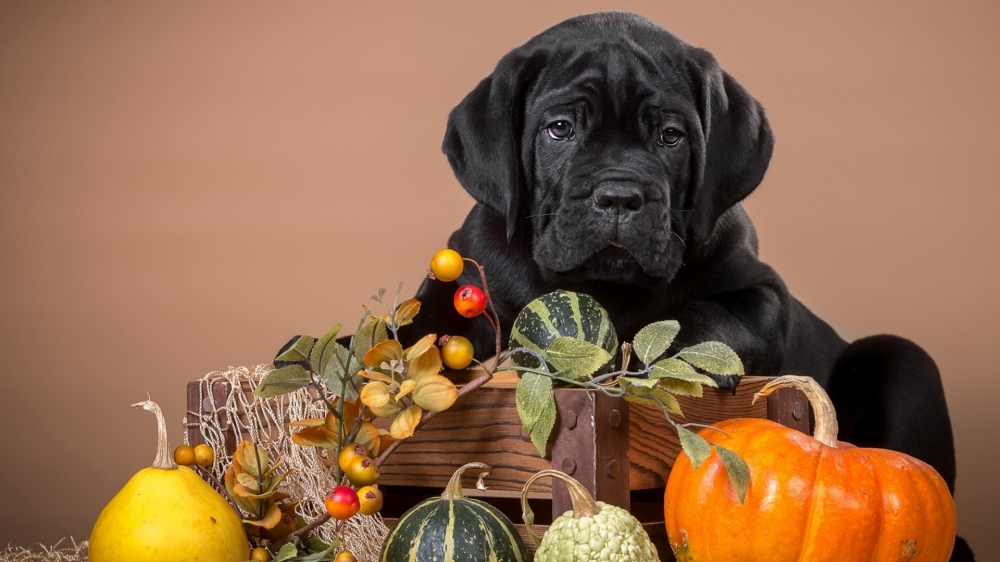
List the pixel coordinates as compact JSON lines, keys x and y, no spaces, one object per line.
{"x":810,"y":498}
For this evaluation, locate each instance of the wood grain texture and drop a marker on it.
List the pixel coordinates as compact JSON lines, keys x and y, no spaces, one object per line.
{"x":653,"y":442}
{"x":482,"y":427}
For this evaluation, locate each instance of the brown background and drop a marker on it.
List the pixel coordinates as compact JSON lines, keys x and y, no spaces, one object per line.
{"x":184,"y":185}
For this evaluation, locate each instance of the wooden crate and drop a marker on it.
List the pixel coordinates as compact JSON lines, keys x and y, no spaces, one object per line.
{"x":621,"y":452}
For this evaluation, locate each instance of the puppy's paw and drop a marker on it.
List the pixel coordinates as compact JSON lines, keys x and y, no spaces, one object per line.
{"x":727,"y":382}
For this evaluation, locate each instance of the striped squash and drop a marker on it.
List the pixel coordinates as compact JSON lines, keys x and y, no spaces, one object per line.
{"x":561,"y":313}
{"x":454,"y":528}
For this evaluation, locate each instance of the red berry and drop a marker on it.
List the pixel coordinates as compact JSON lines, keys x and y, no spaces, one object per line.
{"x":342,"y":502}
{"x":470,"y":301}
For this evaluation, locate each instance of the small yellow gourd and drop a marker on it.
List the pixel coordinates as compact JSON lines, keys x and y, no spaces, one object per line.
{"x":167,"y":513}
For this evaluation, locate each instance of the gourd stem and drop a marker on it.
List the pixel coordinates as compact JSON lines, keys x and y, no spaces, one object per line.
{"x":453,"y":491}
{"x":164,"y":456}
{"x":583,"y":503}
{"x":826,"y":417}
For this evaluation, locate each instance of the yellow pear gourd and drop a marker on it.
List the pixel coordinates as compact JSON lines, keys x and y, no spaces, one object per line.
{"x":167,"y":513}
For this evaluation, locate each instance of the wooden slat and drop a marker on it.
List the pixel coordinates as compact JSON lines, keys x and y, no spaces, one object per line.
{"x":481,"y":427}
{"x":653,"y":442}
{"x":789,"y":406}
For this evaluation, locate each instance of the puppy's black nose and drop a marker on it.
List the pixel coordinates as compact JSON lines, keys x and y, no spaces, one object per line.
{"x":618,"y":196}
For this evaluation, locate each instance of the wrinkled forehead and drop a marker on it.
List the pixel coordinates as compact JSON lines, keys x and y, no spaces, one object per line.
{"x":616,"y":75}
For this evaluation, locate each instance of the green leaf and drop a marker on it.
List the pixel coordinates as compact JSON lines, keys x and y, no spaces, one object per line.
{"x":336,"y":378}
{"x":653,"y":397}
{"x":287,"y":552}
{"x":654,"y":339}
{"x":577,"y":358}
{"x":531,"y":397}
{"x":714,"y":357}
{"x":681,"y":388}
{"x":299,"y":350}
{"x":677,"y":369}
{"x":737,"y":469}
{"x":322,"y":350}
{"x":648,"y":383}
{"x":695,"y":446}
{"x":316,"y":557}
{"x":282,"y":381}
{"x":536,"y":407}
{"x":371,"y":334}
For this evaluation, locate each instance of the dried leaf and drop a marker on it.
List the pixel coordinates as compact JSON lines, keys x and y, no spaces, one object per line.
{"x":737,"y":469}
{"x":577,"y":358}
{"x":369,"y":437}
{"x":245,"y":505}
{"x":654,"y":339}
{"x":423,"y":345}
{"x":272,"y":518}
{"x":405,"y":388}
{"x":406,"y":311}
{"x":406,"y":422}
{"x":714,"y":357}
{"x":247,"y":481}
{"x":384,"y":352}
{"x":379,"y":399}
{"x":315,"y":437}
{"x":434,"y":393}
{"x":244,"y":492}
{"x":299,"y":350}
{"x":308,"y":422}
{"x":251,"y":458}
{"x":282,"y":381}
{"x":428,"y":363}
{"x":371,"y":374}
{"x":384,"y":440}
{"x":695,"y":446}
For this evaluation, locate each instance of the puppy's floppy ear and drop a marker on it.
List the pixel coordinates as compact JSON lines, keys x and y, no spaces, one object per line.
{"x":483,"y":139}
{"x":736,"y":145}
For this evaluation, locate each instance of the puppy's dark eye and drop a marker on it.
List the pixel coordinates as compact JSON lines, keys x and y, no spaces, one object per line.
{"x":561,"y":130}
{"x":670,"y":137}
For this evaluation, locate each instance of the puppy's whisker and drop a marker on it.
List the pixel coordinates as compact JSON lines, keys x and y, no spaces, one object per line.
{"x":541,"y":215}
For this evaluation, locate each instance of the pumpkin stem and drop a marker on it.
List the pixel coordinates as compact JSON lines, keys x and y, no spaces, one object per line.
{"x":164,"y":457}
{"x":826,"y":417}
{"x":453,"y":491}
{"x":583,"y":503}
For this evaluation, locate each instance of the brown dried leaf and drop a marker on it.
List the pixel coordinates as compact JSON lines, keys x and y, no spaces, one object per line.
{"x":315,"y":437}
{"x":309,"y":422}
{"x":406,"y":311}
{"x":378,"y":397}
{"x":272,"y":518}
{"x":374,"y":375}
{"x":428,"y":363}
{"x":434,"y":393}
{"x":405,"y":389}
{"x":369,"y":437}
{"x":406,"y":422}
{"x":251,"y":458}
{"x":384,"y":352}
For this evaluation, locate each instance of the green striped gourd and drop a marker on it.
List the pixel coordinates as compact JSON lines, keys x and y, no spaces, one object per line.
{"x":561,"y":313}
{"x":454,"y":528}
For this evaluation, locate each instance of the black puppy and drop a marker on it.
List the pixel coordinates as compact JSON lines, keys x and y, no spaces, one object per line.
{"x":609,"y":157}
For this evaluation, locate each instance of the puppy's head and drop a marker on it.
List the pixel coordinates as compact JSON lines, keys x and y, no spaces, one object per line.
{"x":614,"y":142}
